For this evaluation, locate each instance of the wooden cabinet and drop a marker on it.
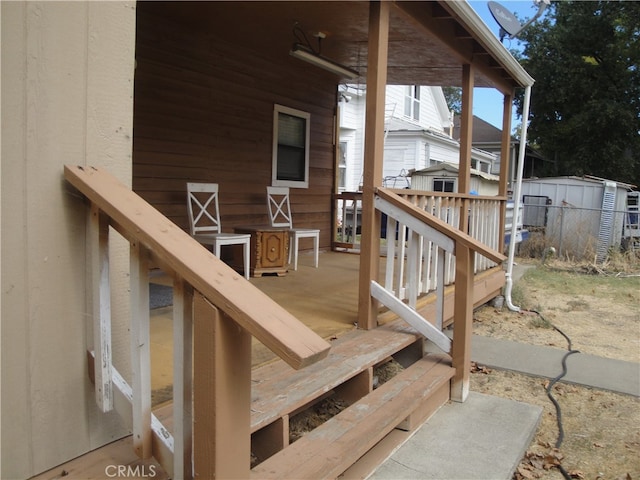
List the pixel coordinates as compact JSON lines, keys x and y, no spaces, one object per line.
{"x":269,"y":250}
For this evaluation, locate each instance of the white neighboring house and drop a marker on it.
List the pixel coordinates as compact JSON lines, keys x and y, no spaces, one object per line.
{"x":418,"y":129}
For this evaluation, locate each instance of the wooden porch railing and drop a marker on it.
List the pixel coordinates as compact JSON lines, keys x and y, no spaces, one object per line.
{"x":484,"y":214}
{"x":485,"y":219}
{"x":421,"y":266}
{"x":213,"y":305}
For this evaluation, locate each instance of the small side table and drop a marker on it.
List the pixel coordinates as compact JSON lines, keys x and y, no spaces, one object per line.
{"x":268,"y":250}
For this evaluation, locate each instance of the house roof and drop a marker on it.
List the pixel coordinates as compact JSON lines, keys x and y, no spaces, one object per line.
{"x":584,"y":179}
{"x":483,"y":131}
{"x":486,"y":135}
{"x":401,"y":126}
{"x":454,"y":170}
{"x":429,"y":42}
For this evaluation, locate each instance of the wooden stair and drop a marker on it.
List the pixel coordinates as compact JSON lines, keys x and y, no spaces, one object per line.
{"x":351,"y":444}
{"x":404,"y":402}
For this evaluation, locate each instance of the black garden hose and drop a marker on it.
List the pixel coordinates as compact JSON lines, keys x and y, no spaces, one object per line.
{"x":549,"y":388}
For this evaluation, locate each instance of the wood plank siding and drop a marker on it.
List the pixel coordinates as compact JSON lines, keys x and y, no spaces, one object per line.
{"x":203,"y":111}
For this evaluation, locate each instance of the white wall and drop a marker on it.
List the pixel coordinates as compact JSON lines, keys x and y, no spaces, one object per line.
{"x":431,"y":114}
{"x":401,"y":154}
{"x":407,"y":146}
{"x":352,"y":115}
{"x":67,"y":92}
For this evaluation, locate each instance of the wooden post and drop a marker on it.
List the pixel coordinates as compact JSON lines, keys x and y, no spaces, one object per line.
{"x":466,"y":134}
{"x":182,"y":379}
{"x":505,"y":160}
{"x":373,"y":154}
{"x":140,"y":351}
{"x":221,"y":394}
{"x":462,"y":322}
{"x":101,"y":289}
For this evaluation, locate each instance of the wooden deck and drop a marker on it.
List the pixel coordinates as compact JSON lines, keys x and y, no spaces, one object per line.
{"x":325,"y":299}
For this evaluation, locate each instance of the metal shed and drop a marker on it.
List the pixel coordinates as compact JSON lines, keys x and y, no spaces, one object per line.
{"x":580,"y":213}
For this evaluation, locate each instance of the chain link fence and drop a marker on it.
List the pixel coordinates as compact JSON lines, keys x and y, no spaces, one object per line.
{"x":576,"y":233}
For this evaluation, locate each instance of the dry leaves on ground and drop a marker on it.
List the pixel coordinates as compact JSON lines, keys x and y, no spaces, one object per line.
{"x":602,"y":317}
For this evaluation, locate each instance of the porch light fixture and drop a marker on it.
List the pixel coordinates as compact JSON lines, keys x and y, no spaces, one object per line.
{"x":308,"y":55}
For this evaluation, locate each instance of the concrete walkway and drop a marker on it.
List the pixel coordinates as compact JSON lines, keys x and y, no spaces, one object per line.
{"x":483,"y":438}
{"x":582,"y":369}
{"x":490,"y":433}
{"x":494,"y":433}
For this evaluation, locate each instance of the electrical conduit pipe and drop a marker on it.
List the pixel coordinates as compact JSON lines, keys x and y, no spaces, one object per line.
{"x":516,"y":200}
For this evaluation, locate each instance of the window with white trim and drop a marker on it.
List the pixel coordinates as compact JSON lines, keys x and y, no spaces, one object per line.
{"x":444,"y":185}
{"x":412,"y":102}
{"x":482,"y":166}
{"x":290,"y":163}
{"x":342,"y":167}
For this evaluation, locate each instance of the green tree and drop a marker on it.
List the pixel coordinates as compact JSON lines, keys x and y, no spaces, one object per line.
{"x":585,"y":103}
{"x":453,"y":95}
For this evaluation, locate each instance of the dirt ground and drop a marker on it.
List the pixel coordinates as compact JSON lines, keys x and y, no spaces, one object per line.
{"x":601,"y":315}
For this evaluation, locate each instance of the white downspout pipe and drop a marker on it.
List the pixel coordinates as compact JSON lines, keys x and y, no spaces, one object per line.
{"x":516,"y":200}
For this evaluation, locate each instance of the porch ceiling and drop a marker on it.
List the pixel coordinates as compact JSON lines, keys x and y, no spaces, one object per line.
{"x":428,"y":41}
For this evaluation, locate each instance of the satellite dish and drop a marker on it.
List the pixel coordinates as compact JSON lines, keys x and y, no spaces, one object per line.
{"x":509,"y":24}
{"x":507,"y":20}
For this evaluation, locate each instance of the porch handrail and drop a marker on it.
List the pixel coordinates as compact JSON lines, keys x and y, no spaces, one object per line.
{"x":458,"y":236}
{"x":486,"y":218}
{"x":430,"y":240}
{"x":210,"y":301}
{"x":137,"y":220}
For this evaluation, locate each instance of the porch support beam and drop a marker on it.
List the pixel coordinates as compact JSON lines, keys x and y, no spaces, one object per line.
{"x":221,"y":394}
{"x":466,"y":132}
{"x":462,"y":322}
{"x":373,"y":154}
{"x":140,"y":350}
{"x":505,"y":160}
{"x":182,"y":379}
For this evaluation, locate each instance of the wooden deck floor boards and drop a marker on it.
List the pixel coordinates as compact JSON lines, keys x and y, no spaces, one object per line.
{"x":324,"y":299}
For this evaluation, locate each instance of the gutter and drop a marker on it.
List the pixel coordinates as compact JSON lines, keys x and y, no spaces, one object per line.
{"x":489,"y":41}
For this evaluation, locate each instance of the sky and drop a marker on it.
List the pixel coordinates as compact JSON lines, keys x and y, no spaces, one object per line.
{"x":487,"y":102}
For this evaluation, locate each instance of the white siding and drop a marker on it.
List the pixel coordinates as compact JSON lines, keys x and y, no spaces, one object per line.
{"x":430,"y":114}
{"x":443,"y":153}
{"x":395,"y":100}
{"x":352,"y":114}
{"x":407,"y":145}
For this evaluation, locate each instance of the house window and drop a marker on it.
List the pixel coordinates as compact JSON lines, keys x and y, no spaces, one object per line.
{"x":412,"y":102}
{"x":447,"y":185}
{"x":290,"y":166}
{"x":482,"y":166}
{"x":342,"y":167}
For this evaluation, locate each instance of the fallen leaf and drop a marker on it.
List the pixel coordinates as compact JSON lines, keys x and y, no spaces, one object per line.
{"x":475,"y":368}
{"x":525,"y":473}
{"x":537,"y":462}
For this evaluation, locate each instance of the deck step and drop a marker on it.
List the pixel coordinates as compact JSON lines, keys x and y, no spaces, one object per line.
{"x":333,"y":447}
{"x":278,"y":390}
